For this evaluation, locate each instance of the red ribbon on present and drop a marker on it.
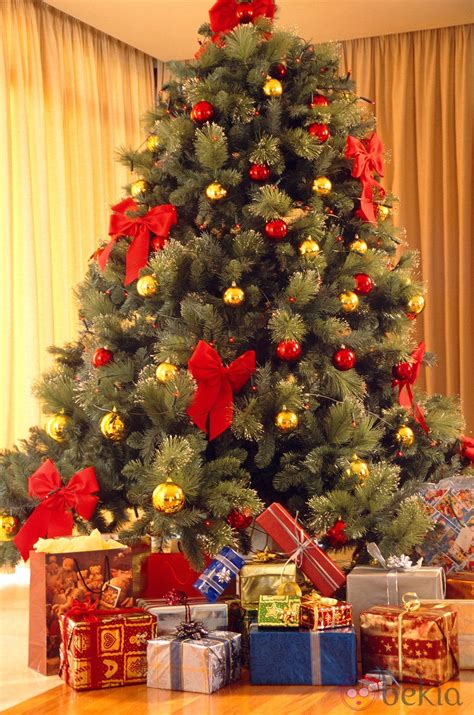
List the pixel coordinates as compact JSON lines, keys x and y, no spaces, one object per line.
{"x":467,"y":448}
{"x":367,"y":160}
{"x":405,"y":394}
{"x":53,"y":516}
{"x":157,"y":221}
{"x":223,"y":14}
{"x":213,"y":404}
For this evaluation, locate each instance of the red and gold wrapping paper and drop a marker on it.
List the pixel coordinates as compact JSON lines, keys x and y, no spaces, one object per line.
{"x":104,"y":651}
{"x":428,"y":637}
{"x":465,"y":609}
{"x":460,"y":585}
{"x":318,"y":613}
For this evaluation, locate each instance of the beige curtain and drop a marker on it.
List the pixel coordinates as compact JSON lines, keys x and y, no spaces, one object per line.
{"x":69,"y":95}
{"x":423,"y":90}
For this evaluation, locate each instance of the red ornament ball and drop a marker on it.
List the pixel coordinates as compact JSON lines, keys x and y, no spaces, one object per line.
{"x":207,"y":523}
{"x":403,"y":371}
{"x":245,"y":13}
{"x":202,"y":112}
{"x":157,"y":243}
{"x":102,"y":357}
{"x":363,"y":284}
{"x":259,"y":172}
{"x":276,"y":229}
{"x":278,"y":71}
{"x":336,"y":535}
{"x":319,"y":100}
{"x":288,"y":350}
{"x":240,"y":519}
{"x":344,"y":359}
{"x":319,"y":131}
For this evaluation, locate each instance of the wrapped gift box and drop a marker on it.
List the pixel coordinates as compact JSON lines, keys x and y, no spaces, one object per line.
{"x":258,"y":578}
{"x":219,"y":574}
{"x":460,"y":585}
{"x":103,"y":650}
{"x":287,"y":657}
{"x":419,"y":646}
{"x":199,"y":666}
{"x":318,"y":612}
{"x":315,"y":563}
{"x":278,"y":611}
{"x":214,"y":616}
{"x":465,"y":610}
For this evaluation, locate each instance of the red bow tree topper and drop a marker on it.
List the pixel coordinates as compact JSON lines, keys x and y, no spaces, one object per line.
{"x":224,"y":14}
{"x":157,"y":221}
{"x":213,"y":404}
{"x":53,"y":515}
{"x":405,"y":394}
{"x":367,"y":156}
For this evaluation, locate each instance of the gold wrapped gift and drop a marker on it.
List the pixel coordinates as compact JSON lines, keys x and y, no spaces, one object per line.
{"x":460,"y":585}
{"x":272,"y":577}
{"x":465,"y":610}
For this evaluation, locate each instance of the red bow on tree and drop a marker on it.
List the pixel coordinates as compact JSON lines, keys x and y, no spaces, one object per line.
{"x":158,"y":221}
{"x":213,"y":401}
{"x":53,"y":516}
{"x":405,"y":394}
{"x":367,"y":159}
{"x":467,"y":448}
{"x":224,"y":14}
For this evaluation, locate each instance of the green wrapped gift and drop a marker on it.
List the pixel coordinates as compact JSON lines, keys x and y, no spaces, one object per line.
{"x":279,"y":611}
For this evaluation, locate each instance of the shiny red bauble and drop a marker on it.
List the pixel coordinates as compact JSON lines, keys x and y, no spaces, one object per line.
{"x":244,"y":13}
{"x":278,"y":71}
{"x":288,"y":350}
{"x":336,"y":535}
{"x":403,"y":371}
{"x":363,"y":284}
{"x":157,"y":243}
{"x":202,"y":112}
{"x":344,"y":359}
{"x":276,"y":229}
{"x":319,"y":100}
{"x":259,"y":172}
{"x":319,"y":131}
{"x":240,"y":519}
{"x":102,"y":357}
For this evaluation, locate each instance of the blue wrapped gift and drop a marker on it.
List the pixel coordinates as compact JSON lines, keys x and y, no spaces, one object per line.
{"x":220,"y":572}
{"x":288,"y":657}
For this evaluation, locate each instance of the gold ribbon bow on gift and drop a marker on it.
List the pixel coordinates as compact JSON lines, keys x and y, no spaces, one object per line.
{"x":315,"y":599}
{"x":265,"y":555}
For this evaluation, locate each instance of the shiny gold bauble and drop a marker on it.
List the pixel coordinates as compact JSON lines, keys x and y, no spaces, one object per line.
{"x":168,"y":497}
{"x":215,"y":191}
{"x":139,"y":188}
{"x":286,"y":420}
{"x":358,"y":468}
{"x":9,"y":526}
{"x":349,"y":301}
{"x":382,"y":212}
{"x":147,"y":286}
{"x":112,"y":426}
{"x":309,"y":248}
{"x":416,"y":304}
{"x":358,"y":245}
{"x":56,"y":426}
{"x":405,"y":436}
{"x":322,"y":186}
{"x":166,"y":371}
{"x":234,"y":296}
{"x":273,"y":87}
{"x":153,"y":142}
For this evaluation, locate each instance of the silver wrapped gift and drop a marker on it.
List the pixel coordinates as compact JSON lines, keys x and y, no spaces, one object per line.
{"x":214,"y":616}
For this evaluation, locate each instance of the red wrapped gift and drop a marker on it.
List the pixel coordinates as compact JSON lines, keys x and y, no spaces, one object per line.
{"x":303,"y":550}
{"x":104,"y":649}
{"x":318,"y":612}
{"x":160,"y":573}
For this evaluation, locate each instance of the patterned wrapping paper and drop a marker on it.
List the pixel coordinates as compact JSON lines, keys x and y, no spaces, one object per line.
{"x":318,"y":613}
{"x":221,"y":571}
{"x":279,"y":611}
{"x":106,"y":650}
{"x":198,"y":666}
{"x":214,"y":616}
{"x":460,"y":585}
{"x":465,"y":610}
{"x":263,"y":579}
{"x":419,"y":646}
{"x":287,"y":657}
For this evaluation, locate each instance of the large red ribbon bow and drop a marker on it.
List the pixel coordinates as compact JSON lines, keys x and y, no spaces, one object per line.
{"x":158,"y":220}
{"x":53,"y":516}
{"x":405,"y":394}
{"x":213,"y":401}
{"x":367,"y":160}
{"x":467,"y":448}
{"x":223,"y":14}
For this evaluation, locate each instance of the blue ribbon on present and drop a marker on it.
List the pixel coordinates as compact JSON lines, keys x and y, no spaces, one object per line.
{"x":176,"y":657}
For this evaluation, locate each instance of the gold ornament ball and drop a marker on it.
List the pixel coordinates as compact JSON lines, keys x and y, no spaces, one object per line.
{"x":416,"y":304}
{"x":349,"y":301}
{"x":405,"y":436}
{"x":273,"y":87}
{"x":322,"y":186}
{"x":112,"y":426}
{"x":168,"y":497}
{"x":166,"y":372}
{"x":56,"y":426}
{"x":153,"y":142}
{"x":286,"y":420}
{"x":215,"y":191}
{"x":358,"y":245}
{"x":139,"y":188}
{"x":234,"y":296}
{"x":383,"y":212}
{"x":9,"y":526}
{"x":358,"y":468}
{"x":309,"y":248}
{"x":147,"y":286}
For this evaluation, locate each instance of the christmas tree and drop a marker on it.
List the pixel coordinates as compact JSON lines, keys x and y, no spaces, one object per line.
{"x":248,"y":332}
